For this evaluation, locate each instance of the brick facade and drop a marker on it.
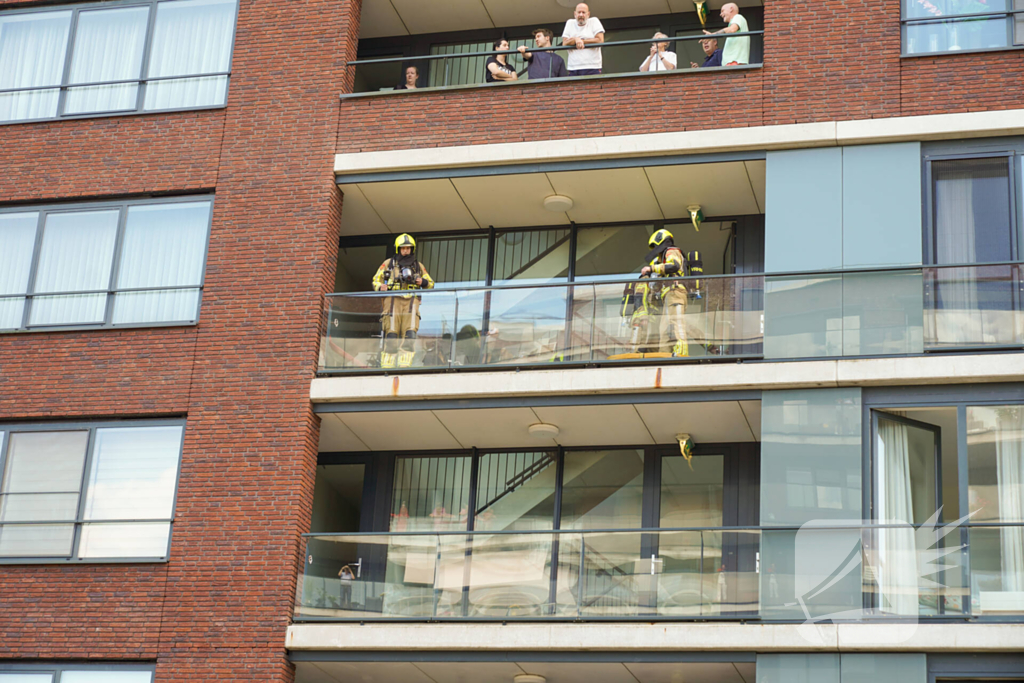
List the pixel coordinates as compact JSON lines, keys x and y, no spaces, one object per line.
{"x":823,"y":62}
{"x":218,"y":609}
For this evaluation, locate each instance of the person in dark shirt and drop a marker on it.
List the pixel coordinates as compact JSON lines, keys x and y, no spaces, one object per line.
{"x":714,"y":55}
{"x":412,"y":75}
{"x":543,"y":64}
{"x":497,"y":67}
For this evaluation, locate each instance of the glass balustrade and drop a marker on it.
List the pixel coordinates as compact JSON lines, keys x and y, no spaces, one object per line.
{"x":836,"y":573}
{"x":862,"y":313}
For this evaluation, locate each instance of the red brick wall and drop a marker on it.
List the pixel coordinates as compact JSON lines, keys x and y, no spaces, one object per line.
{"x":218,"y":610}
{"x":823,"y":62}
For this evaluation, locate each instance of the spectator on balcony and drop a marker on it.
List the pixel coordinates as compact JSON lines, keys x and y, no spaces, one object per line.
{"x":580,"y":31}
{"x":543,"y":64}
{"x":497,"y":67}
{"x":660,"y":59}
{"x":713,"y":54}
{"x":737,"y":50}
{"x":412,"y":76}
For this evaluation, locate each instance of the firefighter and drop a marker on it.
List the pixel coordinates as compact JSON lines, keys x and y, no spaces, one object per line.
{"x":665,"y":260}
{"x":636,"y":313}
{"x":401,"y":315}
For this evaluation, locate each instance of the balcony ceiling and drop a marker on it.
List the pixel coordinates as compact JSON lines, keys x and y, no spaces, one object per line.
{"x":732,"y":188}
{"x":620,"y":424}
{"x":503,"y":672}
{"x":382,"y":18}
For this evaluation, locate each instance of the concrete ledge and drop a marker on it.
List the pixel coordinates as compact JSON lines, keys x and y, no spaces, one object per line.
{"x":944,"y":369}
{"x":702,"y":637}
{"x":791,"y":136}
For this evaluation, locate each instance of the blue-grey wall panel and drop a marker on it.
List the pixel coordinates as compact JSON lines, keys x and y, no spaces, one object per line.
{"x":883,"y":313}
{"x":810,"y":455}
{"x":804,"y":210}
{"x":883,"y":668}
{"x":882,"y":205}
{"x":798,"y":668}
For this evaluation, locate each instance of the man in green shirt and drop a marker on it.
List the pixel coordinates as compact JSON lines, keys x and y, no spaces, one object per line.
{"x":737,"y":50}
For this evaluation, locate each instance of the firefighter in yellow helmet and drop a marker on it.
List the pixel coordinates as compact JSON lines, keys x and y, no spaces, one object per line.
{"x":665,"y":260}
{"x":401,"y":315}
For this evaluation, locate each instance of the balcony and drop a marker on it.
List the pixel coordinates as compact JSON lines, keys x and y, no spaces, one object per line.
{"x":864,"y":313}
{"x":839,"y":573}
{"x":449,"y":43}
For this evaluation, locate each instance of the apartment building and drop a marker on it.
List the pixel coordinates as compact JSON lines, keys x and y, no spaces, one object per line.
{"x":207,"y":473}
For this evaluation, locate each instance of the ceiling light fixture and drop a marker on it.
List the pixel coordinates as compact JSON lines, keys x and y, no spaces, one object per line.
{"x":557,"y":203}
{"x":528,"y":678}
{"x":543,"y":430}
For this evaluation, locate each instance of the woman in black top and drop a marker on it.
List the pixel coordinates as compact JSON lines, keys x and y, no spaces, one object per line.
{"x":412,"y":74}
{"x":497,"y":67}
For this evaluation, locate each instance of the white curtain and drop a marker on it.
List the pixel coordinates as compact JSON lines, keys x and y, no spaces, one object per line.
{"x":191,"y":37}
{"x":1010,"y":485}
{"x":32,"y":51}
{"x":17,"y":240}
{"x":76,"y":255}
{"x":164,"y":246}
{"x":897,"y":551}
{"x":108,"y":47}
{"x":955,"y":315}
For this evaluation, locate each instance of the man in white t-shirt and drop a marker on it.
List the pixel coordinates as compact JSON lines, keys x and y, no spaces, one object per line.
{"x":580,"y":32}
{"x":737,"y":50}
{"x":660,"y":59}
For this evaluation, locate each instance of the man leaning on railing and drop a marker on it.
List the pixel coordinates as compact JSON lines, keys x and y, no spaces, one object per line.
{"x":737,"y":50}
{"x":579,"y":32}
{"x":543,"y":64}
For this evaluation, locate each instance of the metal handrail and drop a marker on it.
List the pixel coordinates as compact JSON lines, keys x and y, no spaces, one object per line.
{"x":953,"y":17}
{"x":656,"y":530}
{"x":126,"y":81}
{"x":731,"y":276}
{"x":489,"y":53}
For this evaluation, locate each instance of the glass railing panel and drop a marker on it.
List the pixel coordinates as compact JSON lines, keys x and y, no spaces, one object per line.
{"x":355,"y":336}
{"x":707,"y":573}
{"x":519,"y":325}
{"x":997,"y":569}
{"x":803,"y":316}
{"x":368,"y":576}
{"x":615,"y":575}
{"x":883,"y":313}
{"x":509,"y":575}
{"x":913,"y":571}
{"x":973,"y":306}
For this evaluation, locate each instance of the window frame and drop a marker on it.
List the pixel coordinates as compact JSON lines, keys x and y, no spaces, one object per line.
{"x":57,"y":669}
{"x":79,"y":521}
{"x":1013,"y":151}
{"x":142,"y":81}
{"x":45,"y":210}
{"x":1008,"y":15}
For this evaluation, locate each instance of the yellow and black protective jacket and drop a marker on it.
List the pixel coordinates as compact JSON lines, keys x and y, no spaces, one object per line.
{"x":390,"y":273}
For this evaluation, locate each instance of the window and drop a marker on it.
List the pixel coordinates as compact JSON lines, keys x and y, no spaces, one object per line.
{"x":126,"y":58}
{"x":76,"y":673}
{"x":932,"y":26}
{"x":103,"y":265}
{"x":88,"y":492}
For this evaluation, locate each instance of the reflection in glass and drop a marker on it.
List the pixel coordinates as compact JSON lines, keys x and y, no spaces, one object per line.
{"x":691,"y":493}
{"x":803,"y":317}
{"x":973,"y":306}
{"x":972,"y":210}
{"x":32,"y":51}
{"x":995,"y":447}
{"x":108,"y":47}
{"x":106,"y":677}
{"x":133,"y":473}
{"x":17,"y":242}
{"x":164,"y":246}
{"x":603,"y":489}
{"x":515,"y":490}
{"x":75,"y":255}
{"x":431,"y":493}
{"x":611,"y":252}
{"x":190,"y":37}
{"x":124,"y":540}
{"x":531,"y":256}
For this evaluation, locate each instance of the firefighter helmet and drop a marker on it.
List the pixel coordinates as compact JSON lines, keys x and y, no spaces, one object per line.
{"x":658,"y":238}
{"x":405,"y":240}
